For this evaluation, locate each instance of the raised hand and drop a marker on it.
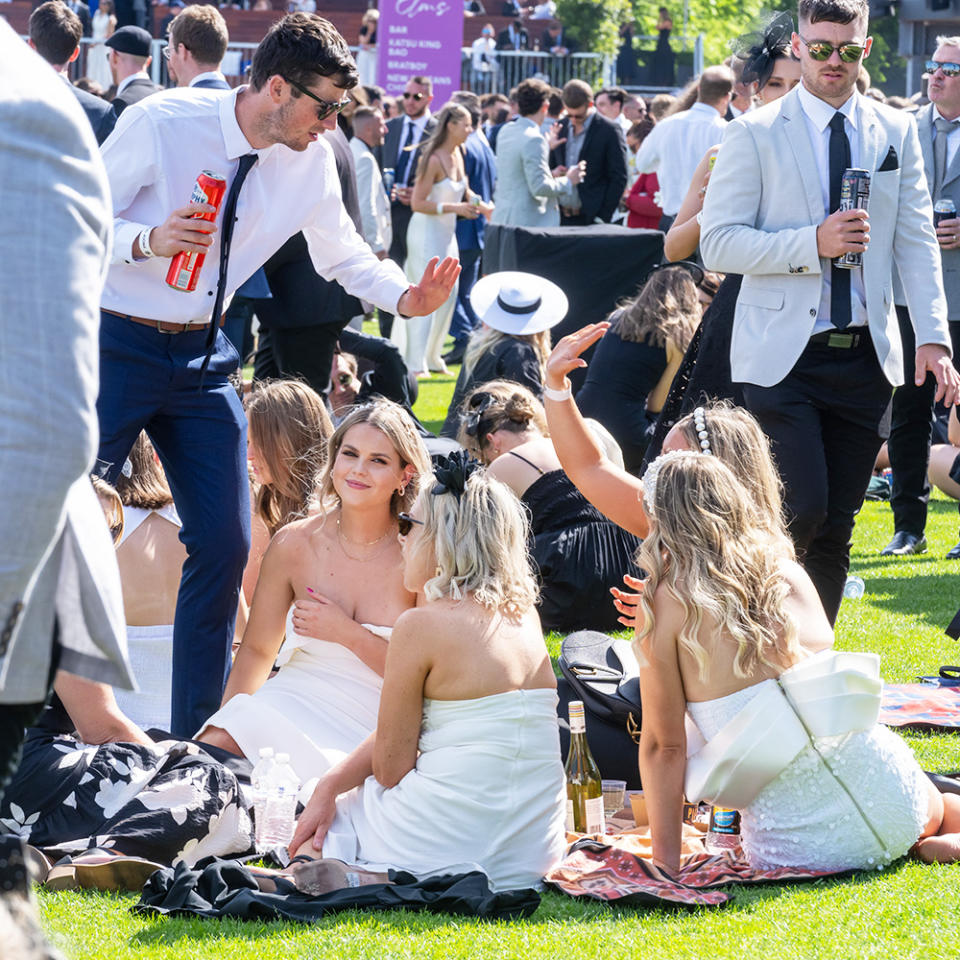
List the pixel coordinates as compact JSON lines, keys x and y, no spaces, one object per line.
{"x":432,"y":290}
{"x":566,"y":354}
{"x":553,"y":137}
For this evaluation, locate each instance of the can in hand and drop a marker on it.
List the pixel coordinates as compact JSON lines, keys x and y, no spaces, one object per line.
{"x":854,"y":195}
{"x":184,"y":270}
{"x":389,"y":178}
{"x":943,"y":210}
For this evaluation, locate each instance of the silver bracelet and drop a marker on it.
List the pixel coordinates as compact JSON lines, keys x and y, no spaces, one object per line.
{"x":558,"y":395}
{"x":144,"y":242}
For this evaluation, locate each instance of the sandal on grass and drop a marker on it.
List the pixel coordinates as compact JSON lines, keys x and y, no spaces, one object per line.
{"x":101,"y":870}
{"x":38,"y":863}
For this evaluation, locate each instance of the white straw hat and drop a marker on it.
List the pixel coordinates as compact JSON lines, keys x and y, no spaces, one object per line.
{"x":518,"y":303}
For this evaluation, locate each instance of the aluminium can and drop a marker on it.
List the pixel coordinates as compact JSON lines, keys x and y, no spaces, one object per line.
{"x":184,"y":270}
{"x":854,"y":195}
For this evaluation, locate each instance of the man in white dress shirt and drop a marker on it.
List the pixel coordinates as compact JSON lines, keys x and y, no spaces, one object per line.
{"x":675,"y":146}
{"x":156,"y":340}
{"x":369,"y":130}
{"x":196,"y":44}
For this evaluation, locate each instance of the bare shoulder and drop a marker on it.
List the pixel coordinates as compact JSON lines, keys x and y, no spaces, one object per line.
{"x":297,"y":535}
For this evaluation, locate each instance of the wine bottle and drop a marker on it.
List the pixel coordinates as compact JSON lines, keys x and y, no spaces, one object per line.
{"x":584,"y":788}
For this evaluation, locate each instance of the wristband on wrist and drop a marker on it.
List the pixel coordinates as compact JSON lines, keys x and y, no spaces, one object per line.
{"x":440,"y":207}
{"x":558,"y":395}
{"x":144,"y":242}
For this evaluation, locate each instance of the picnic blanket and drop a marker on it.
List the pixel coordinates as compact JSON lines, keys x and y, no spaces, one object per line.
{"x":921,"y":705}
{"x":618,"y":870}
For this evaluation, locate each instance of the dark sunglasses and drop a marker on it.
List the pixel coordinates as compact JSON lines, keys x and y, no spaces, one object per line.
{"x":413,"y":96}
{"x":344,"y":379}
{"x":949,"y":69}
{"x":405,"y":523}
{"x":821,"y":50}
{"x":326,"y":106}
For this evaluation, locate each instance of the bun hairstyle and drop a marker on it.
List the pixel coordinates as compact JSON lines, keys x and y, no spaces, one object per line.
{"x":498,"y":405}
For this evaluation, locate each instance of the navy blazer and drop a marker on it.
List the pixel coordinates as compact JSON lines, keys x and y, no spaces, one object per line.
{"x":212,"y":83}
{"x":481,"y":167}
{"x":99,"y":112}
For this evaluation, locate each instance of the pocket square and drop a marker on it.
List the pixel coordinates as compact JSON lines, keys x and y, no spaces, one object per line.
{"x":890,"y":162}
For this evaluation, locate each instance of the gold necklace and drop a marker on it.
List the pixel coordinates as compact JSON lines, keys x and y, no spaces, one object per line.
{"x":358,"y":543}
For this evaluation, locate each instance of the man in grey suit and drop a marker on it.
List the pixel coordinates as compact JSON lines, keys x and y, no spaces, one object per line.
{"x":527,"y":194}
{"x":368,"y":132}
{"x":197,"y":42}
{"x":60,"y":600}
{"x":938,"y":125}
{"x":817,"y":347}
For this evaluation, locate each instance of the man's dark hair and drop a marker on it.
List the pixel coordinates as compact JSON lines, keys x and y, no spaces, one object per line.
{"x":301,"y":47}
{"x":55,"y":31}
{"x":833,"y":11}
{"x":615,"y":95}
{"x":471,"y":103}
{"x":556,"y":102}
{"x":374,"y":93}
{"x":364,"y":113}
{"x":512,"y":95}
{"x":577,"y":93}
{"x":532,"y":94}
{"x":715,"y":84}
{"x":491,"y":98}
{"x":202,"y":30}
{"x":422,"y":81}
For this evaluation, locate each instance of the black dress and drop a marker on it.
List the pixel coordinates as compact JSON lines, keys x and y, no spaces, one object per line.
{"x":664,"y":68}
{"x":509,"y":359}
{"x":579,"y":554}
{"x":620,"y":377}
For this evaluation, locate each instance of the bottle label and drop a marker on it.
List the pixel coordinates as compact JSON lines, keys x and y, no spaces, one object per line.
{"x":570,"y":827}
{"x":724,"y":820}
{"x":594,"y":811}
{"x":578,"y":723}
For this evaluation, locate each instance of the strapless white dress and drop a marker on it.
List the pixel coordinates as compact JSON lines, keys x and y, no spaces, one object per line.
{"x":815,"y":819}
{"x":487,"y":792}
{"x":320,"y":705}
{"x":420,"y":339}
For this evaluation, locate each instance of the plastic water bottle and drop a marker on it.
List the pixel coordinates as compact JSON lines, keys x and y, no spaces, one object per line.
{"x":724,"y":832}
{"x":280,"y":807}
{"x":854,"y":588}
{"x":258,"y":780}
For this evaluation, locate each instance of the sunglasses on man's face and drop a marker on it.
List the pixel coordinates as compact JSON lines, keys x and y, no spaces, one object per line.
{"x":405,"y":523}
{"x":949,"y":69}
{"x":326,"y":106}
{"x":821,"y":50}
{"x":413,"y":96}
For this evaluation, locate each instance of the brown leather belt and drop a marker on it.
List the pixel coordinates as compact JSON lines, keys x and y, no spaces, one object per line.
{"x":164,"y":326}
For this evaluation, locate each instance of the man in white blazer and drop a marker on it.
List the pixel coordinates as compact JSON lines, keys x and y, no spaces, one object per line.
{"x":527,"y":193}
{"x":369,"y":130}
{"x":817,"y":348}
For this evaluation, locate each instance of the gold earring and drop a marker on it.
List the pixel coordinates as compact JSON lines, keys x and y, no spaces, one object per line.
{"x":438,"y":572}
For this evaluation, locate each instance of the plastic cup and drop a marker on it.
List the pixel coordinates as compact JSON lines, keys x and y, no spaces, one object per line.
{"x":613,"y":794}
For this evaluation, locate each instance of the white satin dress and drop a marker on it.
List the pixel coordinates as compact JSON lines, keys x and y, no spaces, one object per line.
{"x":420,"y":339}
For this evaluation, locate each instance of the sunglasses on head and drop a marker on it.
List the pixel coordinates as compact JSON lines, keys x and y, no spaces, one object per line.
{"x":949,"y":69}
{"x":326,"y":106}
{"x":821,"y":50}
{"x":413,"y":96}
{"x":405,"y":523}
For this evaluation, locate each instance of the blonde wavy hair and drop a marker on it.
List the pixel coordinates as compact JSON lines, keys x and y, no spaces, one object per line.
{"x":710,"y":547}
{"x":511,"y":407}
{"x":667,"y":308}
{"x":484,"y":339}
{"x":397,"y":426}
{"x":479,"y":540}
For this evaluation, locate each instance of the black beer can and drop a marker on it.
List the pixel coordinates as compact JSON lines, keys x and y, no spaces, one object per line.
{"x":854,"y":195}
{"x":943,"y":210}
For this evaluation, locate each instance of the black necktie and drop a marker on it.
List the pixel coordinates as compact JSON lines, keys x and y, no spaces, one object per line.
{"x":840,"y":313}
{"x":226,"y":237}
{"x":403,"y":159}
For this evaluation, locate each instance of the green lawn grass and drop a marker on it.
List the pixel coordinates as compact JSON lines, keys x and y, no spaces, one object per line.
{"x":907,"y":911}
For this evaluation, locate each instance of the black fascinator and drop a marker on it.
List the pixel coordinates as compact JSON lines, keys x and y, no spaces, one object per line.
{"x":452,"y":473}
{"x":761,"y":49}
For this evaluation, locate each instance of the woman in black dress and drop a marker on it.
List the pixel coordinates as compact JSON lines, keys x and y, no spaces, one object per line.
{"x":664,"y":68}
{"x":579,"y":554}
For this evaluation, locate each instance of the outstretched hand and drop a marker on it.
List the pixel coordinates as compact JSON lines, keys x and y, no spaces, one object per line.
{"x":566,"y":354}
{"x":627,"y":601}
{"x":432,"y":290}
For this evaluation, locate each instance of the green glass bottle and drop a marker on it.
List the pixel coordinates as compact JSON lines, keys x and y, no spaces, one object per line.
{"x":584,"y":788}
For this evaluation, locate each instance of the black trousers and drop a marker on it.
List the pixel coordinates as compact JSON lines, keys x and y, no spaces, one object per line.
{"x":297,"y":353}
{"x":823,"y":420}
{"x":400,"y":214}
{"x":910,"y":431}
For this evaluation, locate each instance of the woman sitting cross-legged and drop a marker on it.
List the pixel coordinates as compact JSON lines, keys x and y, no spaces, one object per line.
{"x":332,"y":582}
{"x":464,"y":769}
{"x":733,"y":633}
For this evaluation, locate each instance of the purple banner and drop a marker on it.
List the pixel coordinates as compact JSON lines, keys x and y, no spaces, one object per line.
{"x":420,"y":38}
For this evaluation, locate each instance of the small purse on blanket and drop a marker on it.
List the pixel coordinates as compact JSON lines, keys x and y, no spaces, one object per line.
{"x":603,"y":673}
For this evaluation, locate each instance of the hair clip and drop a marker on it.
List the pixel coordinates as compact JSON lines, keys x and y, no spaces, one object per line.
{"x":700,"y":425}
{"x":127,"y":468}
{"x":452,"y":473}
{"x":652,"y":474}
{"x":479,"y":403}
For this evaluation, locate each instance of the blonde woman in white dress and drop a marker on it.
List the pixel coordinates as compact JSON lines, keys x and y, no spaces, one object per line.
{"x":440,"y":195}
{"x":103,"y":24}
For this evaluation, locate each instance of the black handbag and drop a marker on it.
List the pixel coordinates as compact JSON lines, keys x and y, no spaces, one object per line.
{"x":603,"y":672}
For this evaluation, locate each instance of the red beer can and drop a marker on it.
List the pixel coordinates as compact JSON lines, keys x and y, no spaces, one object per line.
{"x":185,"y":267}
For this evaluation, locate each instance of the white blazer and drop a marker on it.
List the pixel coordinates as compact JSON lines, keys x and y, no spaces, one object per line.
{"x":760,"y":218}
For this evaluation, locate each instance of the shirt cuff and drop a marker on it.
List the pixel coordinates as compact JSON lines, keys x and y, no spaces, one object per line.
{"x":124,"y":235}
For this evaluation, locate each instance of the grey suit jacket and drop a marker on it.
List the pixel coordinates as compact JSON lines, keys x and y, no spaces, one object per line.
{"x":760,"y":218}
{"x":57,"y":554}
{"x":527,"y":194}
{"x":374,"y":204}
{"x":950,"y":259}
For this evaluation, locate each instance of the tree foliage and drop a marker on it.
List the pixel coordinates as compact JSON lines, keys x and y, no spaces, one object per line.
{"x":594,"y":23}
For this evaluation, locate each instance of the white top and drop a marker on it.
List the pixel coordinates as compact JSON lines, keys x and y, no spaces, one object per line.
{"x":953,"y":137}
{"x":483,"y":51}
{"x":153,"y":157}
{"x":818,"y":114}
{"x":675,"y":146}
{"x":544,"y":11}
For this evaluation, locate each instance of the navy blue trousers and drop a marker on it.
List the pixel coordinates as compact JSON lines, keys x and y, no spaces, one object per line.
{"x":465,"y":321}
{"x":151,"y":381}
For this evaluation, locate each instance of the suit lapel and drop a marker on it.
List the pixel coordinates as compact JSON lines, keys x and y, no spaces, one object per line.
{"x":872,"y":139}
{"x":795,"y":128}
{"x":925,"y":132}
{"x":953,"y":170}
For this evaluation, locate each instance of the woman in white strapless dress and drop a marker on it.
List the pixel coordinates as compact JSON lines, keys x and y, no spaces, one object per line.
{"x":464,"y":770}
{"x":332,"y":584}
{"x":103,"y":24}
{"x":440,"y":195}
{"x":733,"y":628}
